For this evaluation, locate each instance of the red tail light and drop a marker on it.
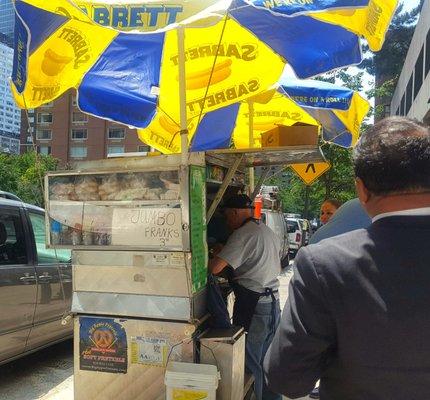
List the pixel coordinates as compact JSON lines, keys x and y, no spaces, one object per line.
{"x":298,"y":237}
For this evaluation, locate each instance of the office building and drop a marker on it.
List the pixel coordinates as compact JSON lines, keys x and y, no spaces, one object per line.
{"x":10,"y":115}
{"x":62,"y":130}
{"x":412,"y":95}
{"x":7,"y":18}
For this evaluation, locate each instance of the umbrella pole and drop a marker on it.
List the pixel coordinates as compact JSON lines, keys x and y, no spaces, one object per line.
{"x":251,"y":142}
{"x":182,"y":95}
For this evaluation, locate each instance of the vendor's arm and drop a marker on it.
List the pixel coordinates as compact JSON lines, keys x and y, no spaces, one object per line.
{"x":217,"y":265}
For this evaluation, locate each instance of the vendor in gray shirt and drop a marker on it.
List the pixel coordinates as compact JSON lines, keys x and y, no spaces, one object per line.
{"x":253,"y":253}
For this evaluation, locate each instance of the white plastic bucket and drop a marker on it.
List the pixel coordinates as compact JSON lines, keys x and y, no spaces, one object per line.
{"x":186,"y":381}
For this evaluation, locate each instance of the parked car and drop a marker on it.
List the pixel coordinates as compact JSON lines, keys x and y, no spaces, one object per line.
{"x":9,"y":196}
{"x":35,"y":283}
{"x":307,"y":230}
{"x":275,"y":220}
{"x":295,"y":235}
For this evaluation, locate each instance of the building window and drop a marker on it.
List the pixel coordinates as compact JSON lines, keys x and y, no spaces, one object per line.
{"x":144,"y":148}
{"x":79,"y":117}
{"x":428,"y":53}
{"x":409,"y":93}
{"x":79,"y":134}
{"x":402,"y":106}
{"x":43,"y":134}
{"x":44,"y":150}
{"x":116,"y":133}
{"x":78,"y":152}
{"x":44,"y":118}
{"x":115,"y":149}
{"x":418,"y":76}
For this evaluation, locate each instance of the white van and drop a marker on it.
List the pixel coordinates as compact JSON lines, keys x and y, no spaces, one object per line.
{"x":275,"y":220}
{"x":295,"y":235}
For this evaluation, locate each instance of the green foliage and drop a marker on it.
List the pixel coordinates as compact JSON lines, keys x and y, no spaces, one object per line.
{"x":336,"y":183}
{"x":23,"y":175}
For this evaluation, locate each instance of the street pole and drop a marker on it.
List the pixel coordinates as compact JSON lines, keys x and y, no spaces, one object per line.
{"x":306,"y":210}
{"x":251,"y":143}
{"x":183,"y":125}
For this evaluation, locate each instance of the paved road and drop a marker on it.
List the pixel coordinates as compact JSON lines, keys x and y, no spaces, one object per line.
{"x":40,"y":375}
{"x":48,"y":374}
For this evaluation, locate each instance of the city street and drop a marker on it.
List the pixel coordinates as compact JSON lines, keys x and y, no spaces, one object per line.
{"x":48,"y":374}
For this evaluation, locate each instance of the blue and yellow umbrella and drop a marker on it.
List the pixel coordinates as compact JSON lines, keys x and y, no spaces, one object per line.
{"x":338,"y":110}
{"x":124,"y":57}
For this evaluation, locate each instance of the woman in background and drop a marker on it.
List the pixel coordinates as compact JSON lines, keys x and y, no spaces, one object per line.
{"x":328,"y":209}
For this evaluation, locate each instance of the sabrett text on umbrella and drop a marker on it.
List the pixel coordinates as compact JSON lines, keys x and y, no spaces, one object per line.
{"x":41,"y":93}
{"x":165,"y":143}
{"x":246,"y":52}
{"x":224,"y":96}
{"x":133,"y":16}
{"x":78,"y":43}
{"x":295,"y":116}
{"x":279,"y":3}
{"x":375,"y":13}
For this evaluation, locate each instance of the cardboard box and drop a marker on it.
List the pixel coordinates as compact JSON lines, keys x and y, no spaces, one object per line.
{"x":296,"y":135}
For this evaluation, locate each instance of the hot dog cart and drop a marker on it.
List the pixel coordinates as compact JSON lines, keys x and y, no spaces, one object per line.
{"x":137,"y":228}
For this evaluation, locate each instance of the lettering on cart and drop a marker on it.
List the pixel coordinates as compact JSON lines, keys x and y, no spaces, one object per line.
{"x":161,"y":225}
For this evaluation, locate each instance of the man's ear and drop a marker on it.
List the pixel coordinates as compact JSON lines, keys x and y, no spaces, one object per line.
{"x":362,"y":191}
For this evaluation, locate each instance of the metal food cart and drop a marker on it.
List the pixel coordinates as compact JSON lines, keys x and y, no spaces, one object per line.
{"x":137,"y":228}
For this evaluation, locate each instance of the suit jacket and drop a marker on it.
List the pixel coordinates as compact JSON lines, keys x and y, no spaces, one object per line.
{"x":358,"y":316}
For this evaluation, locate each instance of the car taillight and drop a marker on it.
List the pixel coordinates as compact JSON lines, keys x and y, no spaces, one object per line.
{"x":298,"y":237}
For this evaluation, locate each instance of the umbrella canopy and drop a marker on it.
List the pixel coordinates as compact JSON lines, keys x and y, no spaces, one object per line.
{"x":339,"y":110}
{"x":123,"y":57}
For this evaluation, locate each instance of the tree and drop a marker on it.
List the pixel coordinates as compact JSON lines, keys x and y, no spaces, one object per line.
{"x":23,"y":175}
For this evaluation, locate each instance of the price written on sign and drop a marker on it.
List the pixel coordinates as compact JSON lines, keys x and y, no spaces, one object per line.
{"x":147,"y":227}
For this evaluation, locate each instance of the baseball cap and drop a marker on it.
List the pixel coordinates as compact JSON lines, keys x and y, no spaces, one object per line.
{"x":238,"y":201}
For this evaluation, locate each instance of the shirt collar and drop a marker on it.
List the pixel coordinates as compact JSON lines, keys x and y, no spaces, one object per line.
{"x":403,"y":213}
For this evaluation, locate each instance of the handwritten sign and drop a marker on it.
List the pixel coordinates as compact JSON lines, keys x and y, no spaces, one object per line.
{"x":151,"y":227}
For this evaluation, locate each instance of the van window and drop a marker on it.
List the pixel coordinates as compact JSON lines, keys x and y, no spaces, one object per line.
{"x":44,"y":255}
{"x":292,"y":226}
{"x":264,"y":218}
{"x":12,"y":239}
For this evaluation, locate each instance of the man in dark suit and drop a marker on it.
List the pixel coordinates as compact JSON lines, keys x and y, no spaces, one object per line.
{"x":358,"y":312}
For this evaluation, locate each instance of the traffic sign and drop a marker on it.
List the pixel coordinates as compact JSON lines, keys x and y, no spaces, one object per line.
{"x":310,"y":172}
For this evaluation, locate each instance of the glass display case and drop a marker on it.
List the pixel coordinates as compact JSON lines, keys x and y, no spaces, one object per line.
{"x":133,"y":209}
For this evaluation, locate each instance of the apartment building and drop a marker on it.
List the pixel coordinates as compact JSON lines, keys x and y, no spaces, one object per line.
{"x":62,"y":130}
{"x":10,"y":114}
{"x":412,"y":95}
